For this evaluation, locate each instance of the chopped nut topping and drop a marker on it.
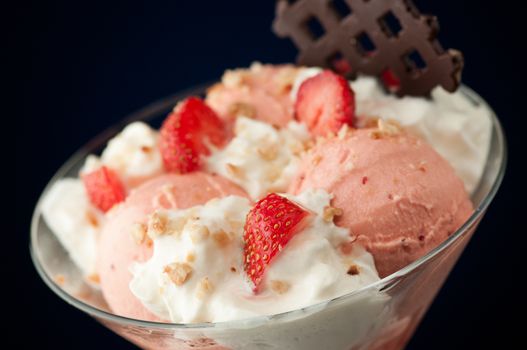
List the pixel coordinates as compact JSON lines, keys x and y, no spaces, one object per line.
{"x":297,"y":148}
{"x":234,"y":170}
{"x":233,"y":269}
{"x":139,"y":233}
{"x":343,"y":132}
{"x":353,"y":270}
{"x":285,"y":79}
{"x":242,"y":109}
{"x":330,"y":212}
{"x":268,"y":153}
{"x":146,"y":149}
{"x":92,"y":219}
{"x":279,"y":287}
{"x":349,"y":165}
{"x":234,"y":78}
{"x":256,"y":67}
{"x":221,"y":238}
{"x":389,"y":127}
{"x":375,"y":134}
{"x":178,"y":273}
{"x":197,"y":231}
{"x":205,"y":287}
{"x":191,"y":257}
{"x":157,"y":224}
{"x":60,"y":279}
{"x":309,"y":144}
{"x":94,"y":278}
{"x":385,"y":128}
{"x":274,"y":173}
{"x":316,"y":159}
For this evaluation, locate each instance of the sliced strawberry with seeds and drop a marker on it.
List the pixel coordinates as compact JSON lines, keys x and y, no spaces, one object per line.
{"x":270,"y":225}
{"x":325,"y":103}
{"x":104,"y":188}
{"x":185,"y":132}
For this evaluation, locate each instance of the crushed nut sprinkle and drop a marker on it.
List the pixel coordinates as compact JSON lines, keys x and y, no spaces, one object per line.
{"x":316,"y":159}
{"x":279,"y":287}
{"x":146,"y":149}
{"x":94,"y":278}
{"x":234,"y":170}
{"x":60,"y":279}
{"x":191,"y":257}
{"x":178,"y":273}
{"x":285,"y":79}
{"x":234,"y":78}
{"x":242,"y":109}
{"x":297,"y":148}
{"x":388,"y":127}
{"x":197,"y":231}
{"x":385,"y":128}
{"x":221,"y":238}
{"x":92,"y":219}
{"x":268,"y":153}
{"x":139,"y":233}
{"x":157,"y":224}
{"x":205,"y":287}
{"x":343,"y":132}
{"x":330,"y":213}
{"x":353,"y":270}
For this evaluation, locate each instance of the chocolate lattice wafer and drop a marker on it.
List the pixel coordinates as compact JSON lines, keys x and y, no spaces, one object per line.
{"x":390,"y":39}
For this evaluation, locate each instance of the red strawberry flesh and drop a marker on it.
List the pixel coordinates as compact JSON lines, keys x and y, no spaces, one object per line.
{"x":183,"y":134}
{"x":270,"y":225}
{"x":325,"y":103}
{"x":104,"y":188}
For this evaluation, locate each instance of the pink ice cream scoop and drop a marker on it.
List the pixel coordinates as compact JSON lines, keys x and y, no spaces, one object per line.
{"x":400,"y":199}
{"x":117,"y":247}
{"x":261,"y":92}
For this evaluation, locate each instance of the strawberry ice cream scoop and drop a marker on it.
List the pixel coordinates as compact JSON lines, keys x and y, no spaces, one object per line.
{"x":123,"y":240}
{"x":399,"y":198}
{"x":261,"y":92}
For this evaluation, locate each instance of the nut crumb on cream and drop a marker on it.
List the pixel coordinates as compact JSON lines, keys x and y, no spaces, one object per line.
{"x":178,"y":273}
{"x":60,"y":279}
{"x":205,"y":288}
{"x":330,"y":213}
{"x":139,"y":233}
{"x":157,"y":224}
{"x":279,"y":287}
{"x":353,"y":270}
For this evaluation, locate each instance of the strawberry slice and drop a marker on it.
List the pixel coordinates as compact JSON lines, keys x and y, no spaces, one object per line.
{"x":183,"y":133}
{"x":104,"y":188}
{"x":270,"y":224}
{"x":325,"y":103}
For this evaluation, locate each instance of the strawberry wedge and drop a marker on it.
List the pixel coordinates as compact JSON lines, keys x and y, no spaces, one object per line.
{"x":325,"y":103}
{"x":270,"y":225}
{"x":104,"y":188}
{"x":185,"y":132}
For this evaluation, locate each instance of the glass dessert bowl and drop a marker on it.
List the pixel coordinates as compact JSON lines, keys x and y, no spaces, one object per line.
{"x":382,"y":315}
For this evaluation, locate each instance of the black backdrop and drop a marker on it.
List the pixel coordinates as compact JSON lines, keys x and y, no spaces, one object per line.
{"x":83,"y":66}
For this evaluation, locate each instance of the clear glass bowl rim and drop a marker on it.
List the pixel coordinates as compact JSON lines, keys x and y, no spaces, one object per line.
{"x":165,"y":103}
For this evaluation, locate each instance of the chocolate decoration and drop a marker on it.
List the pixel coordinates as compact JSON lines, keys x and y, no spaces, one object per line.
{"x":389,"y":39}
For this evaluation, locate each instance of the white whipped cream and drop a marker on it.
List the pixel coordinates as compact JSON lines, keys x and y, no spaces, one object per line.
{"x":133,"y":154}
{"x":260,"y":158}
{"x":75,"y":222}
{"x":456,"y":128}
{"x":310,"y":269}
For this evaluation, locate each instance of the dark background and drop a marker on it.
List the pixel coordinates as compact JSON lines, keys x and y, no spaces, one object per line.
{"x":83,"y":66}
